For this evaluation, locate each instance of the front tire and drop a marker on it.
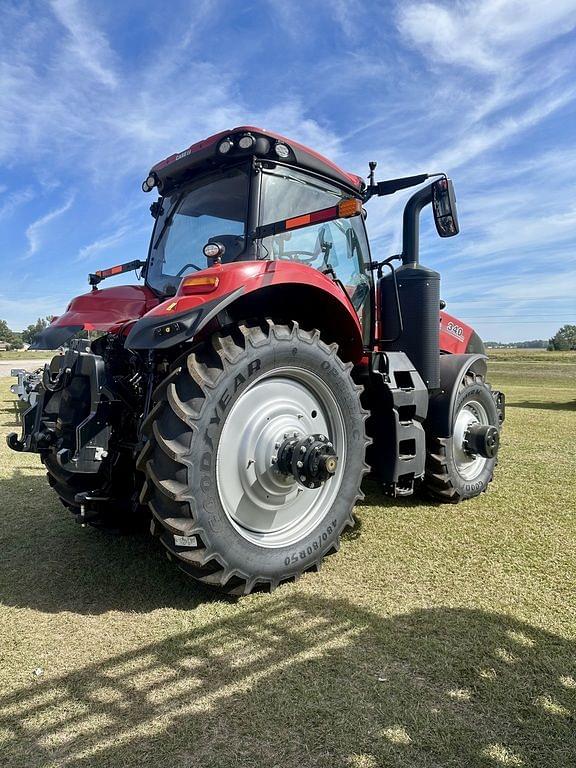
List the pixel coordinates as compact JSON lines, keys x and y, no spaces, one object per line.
{"x":453,"y":474}
{"x":223,"y":509}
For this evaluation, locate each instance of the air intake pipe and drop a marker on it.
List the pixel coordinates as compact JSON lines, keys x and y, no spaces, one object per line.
{"x":419,"y":297}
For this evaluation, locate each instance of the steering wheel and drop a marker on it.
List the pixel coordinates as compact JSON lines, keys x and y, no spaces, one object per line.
{"x":181,"y":272}
{"x":296,"y":256}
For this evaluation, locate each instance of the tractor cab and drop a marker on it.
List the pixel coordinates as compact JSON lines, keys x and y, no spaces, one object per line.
{"x":245,"y":197}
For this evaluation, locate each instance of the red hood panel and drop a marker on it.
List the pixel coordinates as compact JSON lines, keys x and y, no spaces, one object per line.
{"x":108,"y":308}
{"x":454,"y":334}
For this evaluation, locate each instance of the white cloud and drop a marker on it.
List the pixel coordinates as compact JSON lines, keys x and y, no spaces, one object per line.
{"x":18,"y":314}
{"x":86,"y":44}
{"x":34,"y":231}
{"x":13,"y":201}
{"x":104,"y":243}
{"x":484,"y":34}
{"x":51,"y":112}
{"x":486,"y":137}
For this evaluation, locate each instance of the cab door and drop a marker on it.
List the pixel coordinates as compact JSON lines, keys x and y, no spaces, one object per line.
{"x":337,"y":248}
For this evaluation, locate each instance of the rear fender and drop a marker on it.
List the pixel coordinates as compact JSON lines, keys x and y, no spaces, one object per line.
{"x":453,"y":368}
{"x":282,"y":290}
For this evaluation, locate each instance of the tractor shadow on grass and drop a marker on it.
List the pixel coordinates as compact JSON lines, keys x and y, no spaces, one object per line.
{"x":296,"y":681}
{"x":547,"y":405}
{"x":52,"y":564}
{"x":11,"y":411}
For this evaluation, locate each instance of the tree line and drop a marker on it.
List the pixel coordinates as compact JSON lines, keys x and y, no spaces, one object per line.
{"x":17,"y":339}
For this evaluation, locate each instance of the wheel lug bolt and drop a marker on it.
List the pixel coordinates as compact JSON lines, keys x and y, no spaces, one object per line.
{"x":329,"y":445}
{"x":302,"y":478}
{"x":274,"y":459}
{"x":276,"y":445}
{"x":299,"y":464}
{"x":302,"y":449}
{"x":285,"y":435}
{"x":310,"y":439}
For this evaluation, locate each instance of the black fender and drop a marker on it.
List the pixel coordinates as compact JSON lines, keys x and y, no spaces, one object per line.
{"x":169,"y":330}
{"x":441,"y":405}
{"x":54,"y":336}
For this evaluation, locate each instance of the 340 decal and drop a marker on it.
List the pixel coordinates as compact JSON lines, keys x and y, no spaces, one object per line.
{"x":455,"y":330}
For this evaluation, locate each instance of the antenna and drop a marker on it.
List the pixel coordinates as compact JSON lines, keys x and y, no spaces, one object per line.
{"x":372,"y":165}
{"x":372,"y":186}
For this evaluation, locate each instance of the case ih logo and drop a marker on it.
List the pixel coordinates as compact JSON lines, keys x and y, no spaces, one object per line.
{"x":455,"y":330}
{"x":180,"y":155}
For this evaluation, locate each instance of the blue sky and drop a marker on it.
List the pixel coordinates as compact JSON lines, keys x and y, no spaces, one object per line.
{"x":92,"y":94}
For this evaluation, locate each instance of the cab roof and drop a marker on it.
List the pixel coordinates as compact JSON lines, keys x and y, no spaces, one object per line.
{"x":179,"y":166}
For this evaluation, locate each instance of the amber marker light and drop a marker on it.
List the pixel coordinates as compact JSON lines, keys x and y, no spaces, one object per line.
{"x":199,"y":284}
{"x":350,"y":206}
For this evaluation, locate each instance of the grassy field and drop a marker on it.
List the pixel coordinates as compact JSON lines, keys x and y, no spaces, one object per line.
{"x":439,"y":636}
{"x":24,"y":354}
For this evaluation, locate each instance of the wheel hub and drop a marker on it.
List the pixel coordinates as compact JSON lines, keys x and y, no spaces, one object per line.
{"x":310,"y":459}
{"x":482,"y":440}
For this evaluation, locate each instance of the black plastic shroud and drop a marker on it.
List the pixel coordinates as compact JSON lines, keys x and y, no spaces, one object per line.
{"x":419,"y":295}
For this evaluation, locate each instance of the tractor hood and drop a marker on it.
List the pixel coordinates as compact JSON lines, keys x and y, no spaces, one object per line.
{"x":100,"y":310}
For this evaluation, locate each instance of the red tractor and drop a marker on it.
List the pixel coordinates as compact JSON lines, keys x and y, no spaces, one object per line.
{"x":240,"y":395}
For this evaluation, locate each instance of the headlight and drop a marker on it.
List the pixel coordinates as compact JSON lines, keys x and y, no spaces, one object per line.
{"x":149,"y":183}
{"x":246,"y":141}
{"x":225,"y":146}
{"x":213,"y":250}
{"x":282,"y":150}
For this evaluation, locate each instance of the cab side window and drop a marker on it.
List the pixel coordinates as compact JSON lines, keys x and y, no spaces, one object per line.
{"x":338,"y":247}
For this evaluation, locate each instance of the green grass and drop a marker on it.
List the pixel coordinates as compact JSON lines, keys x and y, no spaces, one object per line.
{"x":438,"y":636}
{"x":511,"y":367}
{"x":24,"y":354}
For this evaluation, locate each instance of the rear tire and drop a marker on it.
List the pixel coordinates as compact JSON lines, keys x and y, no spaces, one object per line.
{"x":223,"y":511}
{"x":451,"y":476}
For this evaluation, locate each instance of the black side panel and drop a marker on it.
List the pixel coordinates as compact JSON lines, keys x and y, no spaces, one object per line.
{"x":398,"y":404}
{"x":419,"y":294}
{"x":475,"y":345}
{"x":55,"y":336}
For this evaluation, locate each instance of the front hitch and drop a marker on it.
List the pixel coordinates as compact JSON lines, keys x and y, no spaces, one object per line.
{"x":80,"y":430}
{"x":13,"y":442}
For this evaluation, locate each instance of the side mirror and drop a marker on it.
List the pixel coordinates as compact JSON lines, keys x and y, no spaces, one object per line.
{"x":444,"y":208}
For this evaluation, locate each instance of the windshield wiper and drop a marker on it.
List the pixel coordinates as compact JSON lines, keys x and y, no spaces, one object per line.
{"x":168,"y":219}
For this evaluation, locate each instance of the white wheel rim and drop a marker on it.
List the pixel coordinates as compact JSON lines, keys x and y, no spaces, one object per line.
{"x":469,"y":466}
{"x":266,"y":507}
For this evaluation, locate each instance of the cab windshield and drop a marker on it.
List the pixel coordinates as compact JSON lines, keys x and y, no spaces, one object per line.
{"x":211,"y":209}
